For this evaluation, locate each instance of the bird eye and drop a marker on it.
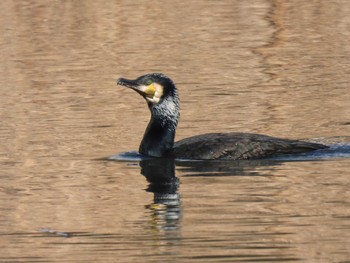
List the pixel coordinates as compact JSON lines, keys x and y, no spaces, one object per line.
{"x":149,"y":82}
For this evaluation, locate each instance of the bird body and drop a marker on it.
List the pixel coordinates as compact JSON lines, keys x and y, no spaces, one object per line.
{"x":158,"y":141}
{"x":238,"y":146}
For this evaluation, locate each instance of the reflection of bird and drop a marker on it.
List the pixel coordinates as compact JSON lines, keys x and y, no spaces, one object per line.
{"x":166,"y":208}
{"x":158,"y":141}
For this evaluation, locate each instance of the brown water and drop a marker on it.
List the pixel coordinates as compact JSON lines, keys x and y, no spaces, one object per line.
{"x":274,"y":67}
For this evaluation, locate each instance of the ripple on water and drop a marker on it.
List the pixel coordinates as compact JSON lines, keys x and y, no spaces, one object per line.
{"x":132,"y":156}
{"x":335,"y":151}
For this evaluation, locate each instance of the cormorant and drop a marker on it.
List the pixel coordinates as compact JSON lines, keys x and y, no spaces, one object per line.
{"x":158,"y":141}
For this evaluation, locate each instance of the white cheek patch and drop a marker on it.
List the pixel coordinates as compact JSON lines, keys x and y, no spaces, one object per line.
{"x":154,"y":100}
{"x":159,"y":92}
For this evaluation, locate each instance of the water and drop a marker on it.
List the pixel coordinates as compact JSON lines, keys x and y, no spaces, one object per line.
{"x":271,"y":67}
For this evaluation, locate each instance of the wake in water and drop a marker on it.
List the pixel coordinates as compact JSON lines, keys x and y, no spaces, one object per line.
{"x":132,"y":156}
{"x":334,"y":151}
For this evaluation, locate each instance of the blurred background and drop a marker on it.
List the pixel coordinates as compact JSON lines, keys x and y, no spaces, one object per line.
{"x":266,"y":66}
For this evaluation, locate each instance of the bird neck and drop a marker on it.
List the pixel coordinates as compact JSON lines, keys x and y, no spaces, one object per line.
{"x":159,"y":136}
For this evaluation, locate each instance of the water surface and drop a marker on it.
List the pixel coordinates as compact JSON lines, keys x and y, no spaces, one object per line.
{"x":274,"y":67}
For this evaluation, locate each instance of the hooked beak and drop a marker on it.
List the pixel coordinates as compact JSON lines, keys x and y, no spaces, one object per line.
{"x":127,"y":83}
{"x":144,"y":91}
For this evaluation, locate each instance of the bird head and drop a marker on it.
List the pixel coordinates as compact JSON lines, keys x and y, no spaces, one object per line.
{"x":153,"y":87}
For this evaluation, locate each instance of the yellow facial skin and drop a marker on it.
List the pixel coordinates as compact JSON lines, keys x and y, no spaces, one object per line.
{"x":150,"y":90}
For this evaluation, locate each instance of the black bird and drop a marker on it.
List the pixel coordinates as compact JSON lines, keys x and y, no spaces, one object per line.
{"x":158,"y":141}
